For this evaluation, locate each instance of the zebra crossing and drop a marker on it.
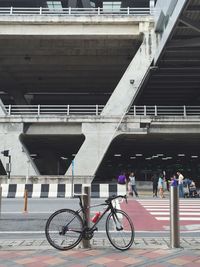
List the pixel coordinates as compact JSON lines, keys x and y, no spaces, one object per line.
{"x":189,"y":209}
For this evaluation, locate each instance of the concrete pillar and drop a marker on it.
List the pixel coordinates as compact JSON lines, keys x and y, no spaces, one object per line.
{"x":100,"y":135}
{"x":91,"y":153}
{"x":21,"y":163}
{"x":129,"y":85}
{"x":2,"y":109}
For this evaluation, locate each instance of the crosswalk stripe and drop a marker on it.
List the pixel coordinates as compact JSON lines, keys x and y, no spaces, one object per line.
{"x":189,"y":210}
{"x":167,"y":209}
{"x":181,"y":218}
{"x":180,"y":213}
{"x":184,"y":207}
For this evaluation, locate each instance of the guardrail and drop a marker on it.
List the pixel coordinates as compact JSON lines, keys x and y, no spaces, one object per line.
{"x":75,"y":11}
{"x":68,"y":110}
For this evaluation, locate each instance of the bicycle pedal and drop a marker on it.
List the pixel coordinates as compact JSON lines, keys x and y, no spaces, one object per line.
{"x":95,"y":229}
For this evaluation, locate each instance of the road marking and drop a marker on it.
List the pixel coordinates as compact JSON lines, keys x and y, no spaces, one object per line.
{"x":181,"y":218}
{"x":167,"y":209}
{"x":29,"y":212}
{"x":180,"y":213}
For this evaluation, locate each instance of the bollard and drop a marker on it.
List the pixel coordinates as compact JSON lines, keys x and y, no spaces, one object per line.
{"x":0,"y":198}
{"x":174,"y":217}
{"x":86,"y":203}
{"x":26,"y":200}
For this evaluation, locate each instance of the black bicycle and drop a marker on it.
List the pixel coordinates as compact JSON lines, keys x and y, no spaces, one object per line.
{"x":65,"y":228}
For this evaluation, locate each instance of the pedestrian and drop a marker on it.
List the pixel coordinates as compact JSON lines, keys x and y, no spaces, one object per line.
{"x":180,"y":184}
{"x":161,"y":186}
{"x":133,"y":183}
{"x":155,"y":185}
{"x":121,"y":178}
{"x":173,"y":181}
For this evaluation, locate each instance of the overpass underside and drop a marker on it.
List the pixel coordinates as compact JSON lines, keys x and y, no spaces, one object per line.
{"x":109,"y":60}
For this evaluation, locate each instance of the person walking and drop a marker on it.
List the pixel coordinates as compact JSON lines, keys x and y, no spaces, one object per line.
{"x":161,"y":186}
{"x":133,"y":183}
{"x":180,"y":184}
{"x":121,"y":178}
{"x":155,"y":185}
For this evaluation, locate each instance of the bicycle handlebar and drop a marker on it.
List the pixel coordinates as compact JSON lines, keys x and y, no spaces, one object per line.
{"x":108,"y":200}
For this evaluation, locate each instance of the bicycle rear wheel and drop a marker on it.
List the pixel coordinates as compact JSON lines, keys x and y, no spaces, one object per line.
{"x":64,"y":229}
{"x":120,"y":230}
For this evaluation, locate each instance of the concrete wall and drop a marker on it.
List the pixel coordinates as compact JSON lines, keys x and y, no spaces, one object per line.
{"x":21,"y":163}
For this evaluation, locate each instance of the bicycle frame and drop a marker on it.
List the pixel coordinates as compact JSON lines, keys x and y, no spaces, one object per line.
{"x":93,"y":228}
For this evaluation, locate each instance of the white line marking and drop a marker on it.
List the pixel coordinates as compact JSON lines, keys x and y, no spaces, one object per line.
{"x":31,"y":212}
{"x":181,"y":219}
{"x":167,"y":209}
{"x":180,"y":213}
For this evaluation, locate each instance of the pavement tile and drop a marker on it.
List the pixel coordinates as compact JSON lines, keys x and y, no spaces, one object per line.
{"x":77,"y":265}
{"x":131,"y":260}
{"x":101,"y":260}
{"x":55,"y":261}
{"x":178,"y":261}
{"x":157,"y":265}
{"x":69,"y":252}
{"x":25,"y":260}
{"x":190,"y":257}
{"x":152,"y":255}
{"x":117,"y":256}
{"x":164,"y":251}
{"x":80,"y":255}
{"x":93,"y":252}
{"x":193,"y":264}
{"x":38,"y":264}
{"x":116,"y":264}
{"x":139,"y":251}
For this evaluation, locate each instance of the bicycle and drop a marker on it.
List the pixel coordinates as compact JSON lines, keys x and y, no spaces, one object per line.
{"x":65,"y":228}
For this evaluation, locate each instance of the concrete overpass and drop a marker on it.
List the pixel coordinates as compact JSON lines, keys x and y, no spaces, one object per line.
{"x":107,"y":60}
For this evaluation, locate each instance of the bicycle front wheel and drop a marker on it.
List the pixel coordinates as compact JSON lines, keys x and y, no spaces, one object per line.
{"x":120,"y":230}
{"x":64,"y":229}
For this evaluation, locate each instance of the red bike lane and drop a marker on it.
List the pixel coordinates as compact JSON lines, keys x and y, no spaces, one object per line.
{"x":142,"y":219}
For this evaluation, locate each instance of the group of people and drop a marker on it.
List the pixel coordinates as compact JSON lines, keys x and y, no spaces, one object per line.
{"x":161,"y":183}
{"x":129,"y":181}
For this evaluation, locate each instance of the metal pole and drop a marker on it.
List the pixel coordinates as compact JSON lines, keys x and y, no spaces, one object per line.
{"x":174,"y":217}
{"x":0,"y":198}
{"x":86,"y":203}
{"x":72,"y":191}
{"x":9,"y":168}
{"x":26,"y":200}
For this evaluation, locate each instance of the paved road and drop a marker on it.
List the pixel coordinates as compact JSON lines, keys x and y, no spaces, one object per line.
{"x":14,"y":223}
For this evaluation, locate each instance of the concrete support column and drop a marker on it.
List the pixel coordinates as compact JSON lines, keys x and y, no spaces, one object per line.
{"x":129,"y":85}
{"x":91,"y":153}
{"x":21,"y":163}
{"x":2,"y":109}
{"x":100,"y":135}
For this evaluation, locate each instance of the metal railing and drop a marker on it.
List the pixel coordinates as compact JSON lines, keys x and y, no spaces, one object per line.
{"x":74,"y":11}
{"x":95,"y":110}
{"x":67,"y":110}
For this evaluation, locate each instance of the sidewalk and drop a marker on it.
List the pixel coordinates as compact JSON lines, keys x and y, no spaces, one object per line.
{"x":151,"y":252}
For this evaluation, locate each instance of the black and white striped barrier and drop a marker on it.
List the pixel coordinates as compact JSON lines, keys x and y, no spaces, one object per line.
{"x":60,"y":190}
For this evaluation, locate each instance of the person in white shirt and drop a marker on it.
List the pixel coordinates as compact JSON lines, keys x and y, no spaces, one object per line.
{"x":132,"y":183}
{"x":180,"y":184}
